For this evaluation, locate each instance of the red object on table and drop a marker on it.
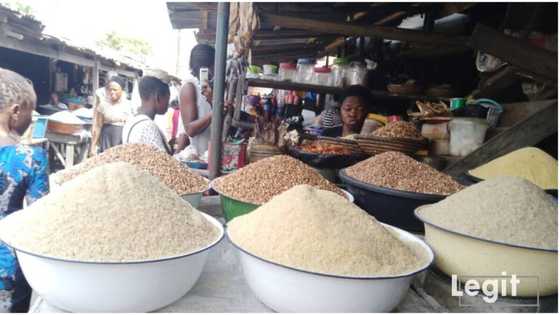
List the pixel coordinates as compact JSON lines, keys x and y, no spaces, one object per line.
{"x":393,"y":118}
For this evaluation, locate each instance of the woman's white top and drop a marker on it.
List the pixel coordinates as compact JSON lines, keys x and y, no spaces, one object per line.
{"x":115,"y":114}
{"x":199,"y":142}
{"x":141,"y":129}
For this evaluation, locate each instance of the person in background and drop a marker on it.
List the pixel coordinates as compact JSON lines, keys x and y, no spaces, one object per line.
{"x":23,"y":175}
{"x":56,"y":103}
{"x":154,"y":93}
{"x":178,"y":141}
{"x":196,"y":111}
{"x":353,"y":111}
{"x":110,"y":113}
{"x":330,"y":117}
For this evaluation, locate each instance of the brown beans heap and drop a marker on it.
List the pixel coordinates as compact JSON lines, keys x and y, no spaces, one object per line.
{"x":398,"y":129}
{"x":170,"y":171}
{"x":258,"y":182}
{"x":398,"y":171}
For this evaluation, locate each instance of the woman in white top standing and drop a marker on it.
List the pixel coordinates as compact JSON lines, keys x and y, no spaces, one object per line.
{"x":196,"y":111}
{"x":111,"y":112}
{"x":141,"y":128}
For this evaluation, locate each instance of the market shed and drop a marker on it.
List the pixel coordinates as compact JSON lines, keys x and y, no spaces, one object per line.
{"x":22,"y":41}
{"x":437,"y":43}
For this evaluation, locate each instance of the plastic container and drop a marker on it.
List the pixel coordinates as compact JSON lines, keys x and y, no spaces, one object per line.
{"x":435,"y":131}
{"x":322,"y":76}
{"x":305,"y":70}
{"x":269,"y":69}
{"x":457,"y":103}
{"x":466,"y":135}
{"x":391,"y":206}
{"x":370,"y":125}
{"x":287,"y":72}
{"x":355,"y":74}
{"x":339,"y":72}
{"x":440,"y":147}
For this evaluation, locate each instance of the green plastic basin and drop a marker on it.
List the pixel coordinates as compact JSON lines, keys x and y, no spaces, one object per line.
{"x":234,"y":208}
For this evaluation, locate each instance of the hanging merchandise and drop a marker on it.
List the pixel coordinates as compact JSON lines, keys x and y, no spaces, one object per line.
{"x":487,"y":63}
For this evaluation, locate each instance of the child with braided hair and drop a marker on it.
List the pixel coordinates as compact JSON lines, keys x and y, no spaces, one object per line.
{"x":23,"y":175}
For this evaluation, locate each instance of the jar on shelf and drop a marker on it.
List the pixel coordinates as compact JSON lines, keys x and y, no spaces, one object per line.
{"x":339,"y":69}
{"x":305,"y":70}
{"x":287,"y":71}
{"x":371,"y":123}
{"x":270,"y":72}
{"x":322,"y":76}
{"x":355,"y":73}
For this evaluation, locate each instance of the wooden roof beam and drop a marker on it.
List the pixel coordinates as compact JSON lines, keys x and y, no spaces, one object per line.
{"x":375,"y":31}
{"x":288,"y":34}
{"x":517,"y":52}
{"x":340,"y":41}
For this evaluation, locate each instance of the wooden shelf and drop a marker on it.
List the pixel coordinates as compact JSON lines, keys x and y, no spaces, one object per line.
{"x":287,"y":85}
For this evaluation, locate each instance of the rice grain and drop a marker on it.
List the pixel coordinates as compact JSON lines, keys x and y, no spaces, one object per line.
{"x":505,"y":209}
{"x":320,"y":231}
{"x":113,"y":213}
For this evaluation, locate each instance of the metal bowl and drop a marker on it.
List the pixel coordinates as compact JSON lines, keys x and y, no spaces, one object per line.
{"x":481,"y":259}
{"x":287,"y":289}
{"x":195,"y":198}
{"x":131,"y":287}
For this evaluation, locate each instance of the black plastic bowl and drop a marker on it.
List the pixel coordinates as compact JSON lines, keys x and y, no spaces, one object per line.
{"x":391,"y":206}
{"x":326,"y":161}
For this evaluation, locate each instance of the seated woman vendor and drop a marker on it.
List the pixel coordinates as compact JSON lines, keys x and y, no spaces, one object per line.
{"x":353,"y":112}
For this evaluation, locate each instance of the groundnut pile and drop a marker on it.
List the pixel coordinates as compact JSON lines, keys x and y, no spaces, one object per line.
{"x":398,"y":129}
{"x":146,"y":157}
{"x":258,"y":182}
{"x":398,"y":171}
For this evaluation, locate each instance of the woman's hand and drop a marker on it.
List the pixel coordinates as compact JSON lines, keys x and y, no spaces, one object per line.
{"x":207,"y":91}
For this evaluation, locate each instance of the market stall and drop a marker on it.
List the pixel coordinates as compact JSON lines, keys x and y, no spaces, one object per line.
{"x":357,"y":177}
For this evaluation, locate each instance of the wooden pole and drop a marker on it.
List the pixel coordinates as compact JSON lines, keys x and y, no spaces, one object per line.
{"x":222,"y":26}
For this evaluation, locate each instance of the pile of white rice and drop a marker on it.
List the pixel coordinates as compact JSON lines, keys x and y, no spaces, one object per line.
{"x":113,"y":213}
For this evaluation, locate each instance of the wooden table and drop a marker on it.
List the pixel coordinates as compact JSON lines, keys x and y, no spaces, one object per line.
{"x":69,"y":149}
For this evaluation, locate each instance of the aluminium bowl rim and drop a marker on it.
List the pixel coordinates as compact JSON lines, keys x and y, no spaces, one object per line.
{"x":426,"y":248}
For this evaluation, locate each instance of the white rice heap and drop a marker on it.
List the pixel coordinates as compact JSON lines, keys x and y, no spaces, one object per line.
{"x":320,"y":231}
{"x":504,"y":209}
{"x":113,"y":213}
